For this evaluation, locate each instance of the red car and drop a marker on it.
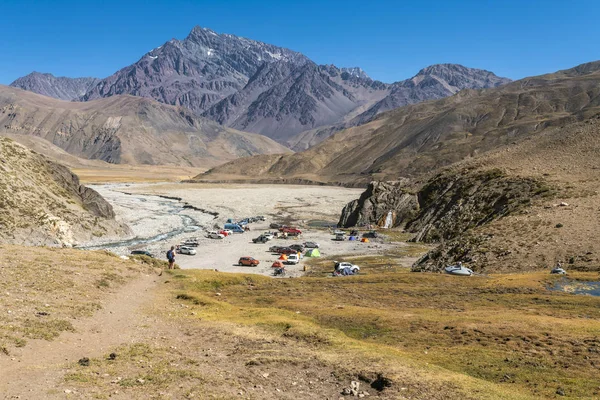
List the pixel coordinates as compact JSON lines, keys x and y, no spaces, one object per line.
{"x":292,"y":231}
{"x":224,"y":233}
{"x":286,"y":250}
{"x":248,"y":261}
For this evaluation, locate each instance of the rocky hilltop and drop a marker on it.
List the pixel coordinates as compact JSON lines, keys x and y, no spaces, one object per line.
{"x":417,"y":139}
{"x":42,"y":202}
{"x":62,"y":88}
{"x":127,"y":129}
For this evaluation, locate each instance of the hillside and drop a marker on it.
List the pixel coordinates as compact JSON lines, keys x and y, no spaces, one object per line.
{"x":431,"y":83}
{"x":62,"y":88}
{"x":126,"y":129}
{"x":42,"y":202}
{"x":416,"y":139}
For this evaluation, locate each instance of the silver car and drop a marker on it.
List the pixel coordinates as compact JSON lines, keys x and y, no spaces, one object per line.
{"x":187,"y":250}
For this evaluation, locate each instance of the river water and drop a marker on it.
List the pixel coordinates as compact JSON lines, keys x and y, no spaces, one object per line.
{"x":156,"y":222}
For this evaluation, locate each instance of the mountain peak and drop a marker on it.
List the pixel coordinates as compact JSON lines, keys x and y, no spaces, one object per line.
{"x":356,"y":71}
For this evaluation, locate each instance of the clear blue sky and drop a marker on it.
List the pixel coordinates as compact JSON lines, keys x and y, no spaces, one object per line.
{"x":391,"y":40}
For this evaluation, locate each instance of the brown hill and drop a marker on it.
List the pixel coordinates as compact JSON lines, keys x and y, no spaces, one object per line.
{"x":417,"y":139}
{"x":126,"y":129}
{"x":42,"y":202}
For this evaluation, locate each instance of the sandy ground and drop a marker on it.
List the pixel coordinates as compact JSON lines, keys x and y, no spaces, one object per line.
{"x":157,"y":222}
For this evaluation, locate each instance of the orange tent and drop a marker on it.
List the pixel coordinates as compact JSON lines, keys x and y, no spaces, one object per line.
{"x":282,"y":257}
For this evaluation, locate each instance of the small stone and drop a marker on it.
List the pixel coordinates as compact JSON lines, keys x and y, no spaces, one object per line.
{"x":265,"y":375}
{"x":140,"y":380}
{"x":67,"y":391}
{"x":84,"y":362}
{"x":217,"y":294}
{"x":112,"y":356}
{"x":560,"y":392}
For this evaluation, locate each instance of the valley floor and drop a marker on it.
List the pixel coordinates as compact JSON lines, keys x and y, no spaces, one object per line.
{"x":88,"y":324}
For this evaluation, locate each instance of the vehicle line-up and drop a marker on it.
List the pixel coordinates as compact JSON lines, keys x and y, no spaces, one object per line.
{"x":290,"y":254}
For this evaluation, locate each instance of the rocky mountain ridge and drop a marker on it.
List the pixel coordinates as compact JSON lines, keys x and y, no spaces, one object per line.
{"x":127,"y":129}
{"x":260,"y":88}
{"x":62,"y":88}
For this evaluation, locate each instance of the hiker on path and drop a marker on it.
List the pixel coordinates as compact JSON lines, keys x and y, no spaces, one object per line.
{"x":171,"y":257}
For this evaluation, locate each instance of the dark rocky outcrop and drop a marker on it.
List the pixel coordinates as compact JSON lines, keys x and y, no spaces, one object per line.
{"x":445,"y":209}
{"x":452,"y":203}
{"x":89,"y":198}
{"x":377,"y":201}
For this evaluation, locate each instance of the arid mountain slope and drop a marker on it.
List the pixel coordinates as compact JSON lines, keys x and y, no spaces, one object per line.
{"x":126,"y":129}
{"x":42,"y":202}
{"x":283,"y":99}
{"x":431,"y":83}
{"x":62,"y":88}
{"x":416,"y":139}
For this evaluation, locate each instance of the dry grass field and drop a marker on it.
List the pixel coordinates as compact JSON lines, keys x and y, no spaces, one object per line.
{"x":206,"y":334}
{"x":132,"y":173}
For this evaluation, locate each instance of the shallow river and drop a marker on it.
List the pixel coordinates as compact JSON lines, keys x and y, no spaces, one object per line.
{"x":155,"y":221}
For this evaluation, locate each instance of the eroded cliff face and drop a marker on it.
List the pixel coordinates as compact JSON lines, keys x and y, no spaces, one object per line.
{"x":377,"y":201}
{"x":43,"y":203}
{"x":445,"y":210}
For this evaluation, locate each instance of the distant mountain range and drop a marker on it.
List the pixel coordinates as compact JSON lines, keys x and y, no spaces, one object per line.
{"x":261,"y":88}
{"x":62,"y":88}
{"x":127,"y":129}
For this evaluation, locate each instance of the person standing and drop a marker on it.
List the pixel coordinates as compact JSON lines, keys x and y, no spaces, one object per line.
{"x":171,"y":257}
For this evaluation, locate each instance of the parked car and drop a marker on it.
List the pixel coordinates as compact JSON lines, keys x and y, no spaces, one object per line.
{"x":311,"y":245}
{"x":260,"y":239}
{"x":190,"y":242}
{"x":275,"y":225}
{"x":371,"y":234}
{"x":186,"y":250}
{"x":291,"y":231}
{"x":286,"y":250}
{"x":233,"y":228}
{"x":260,"y":218}
{"x":142,"y":253}
{"x":248,"y":261}
{"x":292,"y":259}
{"x":269,"y":235}
{"x":215,"y":235}
{"x":339,"y":266}
{"x":228,"y":231}
{"x":297,"y":247}
{"x":224,"y":232}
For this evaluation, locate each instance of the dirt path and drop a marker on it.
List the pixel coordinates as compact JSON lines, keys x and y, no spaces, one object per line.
{"x":41,"y":364}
